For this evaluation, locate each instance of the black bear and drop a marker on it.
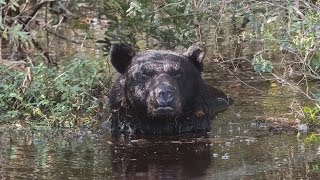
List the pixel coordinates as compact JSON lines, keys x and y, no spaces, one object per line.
{"x":161,"y":92}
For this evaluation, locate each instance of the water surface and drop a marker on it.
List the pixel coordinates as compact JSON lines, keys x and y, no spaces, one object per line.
{"x":238,"y":147}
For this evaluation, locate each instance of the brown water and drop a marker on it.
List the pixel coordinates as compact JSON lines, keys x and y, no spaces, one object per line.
{"x":237,"y":147}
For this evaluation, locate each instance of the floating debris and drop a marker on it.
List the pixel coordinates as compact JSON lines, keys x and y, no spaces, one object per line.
{"x":215,"y":155}
{"x":225,"y":156}
{"x":303,"y":128}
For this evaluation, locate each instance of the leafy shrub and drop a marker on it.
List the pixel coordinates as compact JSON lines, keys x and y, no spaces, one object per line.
{"x":10,"y":28}
{"x":147,"y":24}
{"x":312,"y":116}
{"x":55,"y":96}
{"x":313,"y":139}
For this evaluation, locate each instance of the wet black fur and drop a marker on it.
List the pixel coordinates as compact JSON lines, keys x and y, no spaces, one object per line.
{"x":132,"y":100}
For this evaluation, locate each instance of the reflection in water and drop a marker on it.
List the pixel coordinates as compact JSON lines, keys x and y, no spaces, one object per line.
{"x":221,"y":155}
{"x":161,"y":158}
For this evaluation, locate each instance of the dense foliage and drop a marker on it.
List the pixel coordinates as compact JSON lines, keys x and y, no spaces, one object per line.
{"x":289,"y":29}
{"x":35,"y":88}
{"x":64,"y":97}
{"x":153,"y":24}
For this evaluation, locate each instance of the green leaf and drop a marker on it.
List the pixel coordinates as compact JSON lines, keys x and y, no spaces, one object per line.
{"x":261,"y":65}
{"x":272,"y":19}
{"x":3,"y":2}
{"x":5,"y":34}
{"x":12,"y":95}
{"x":1,"y":23}
{"x":24,"y":36}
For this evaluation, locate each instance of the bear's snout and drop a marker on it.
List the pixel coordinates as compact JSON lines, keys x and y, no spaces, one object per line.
{"x":164,"y":95}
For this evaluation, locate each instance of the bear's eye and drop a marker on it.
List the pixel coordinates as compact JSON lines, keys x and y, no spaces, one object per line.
{"x":146,"y":73}
{"x":177,"y":75}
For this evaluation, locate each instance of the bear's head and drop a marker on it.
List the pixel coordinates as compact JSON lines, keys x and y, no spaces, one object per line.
{"x":158,"y":84}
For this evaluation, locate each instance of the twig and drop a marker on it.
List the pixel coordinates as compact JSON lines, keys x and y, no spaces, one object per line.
{"x":62,"y":37}
{"x":0,"y":48}
{"x":244,"y":82}
{"x":33,"y":13}
{"x":84,"y":39}
{"x":46,"y":23}
{"x":293,"y":86}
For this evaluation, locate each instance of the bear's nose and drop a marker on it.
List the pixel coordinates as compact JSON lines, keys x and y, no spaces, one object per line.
{"x":164,"y":97}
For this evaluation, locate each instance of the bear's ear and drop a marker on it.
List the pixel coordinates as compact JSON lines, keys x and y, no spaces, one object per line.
{"x":121,"y":56}
{"x":195,"y":55}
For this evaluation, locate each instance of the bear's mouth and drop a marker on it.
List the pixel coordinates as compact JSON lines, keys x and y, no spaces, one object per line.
{"x":164,"y":112}
{"x":164,"y":109}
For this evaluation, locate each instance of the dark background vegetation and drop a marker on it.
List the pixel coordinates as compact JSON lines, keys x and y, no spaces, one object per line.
{"x":41,"y":86}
